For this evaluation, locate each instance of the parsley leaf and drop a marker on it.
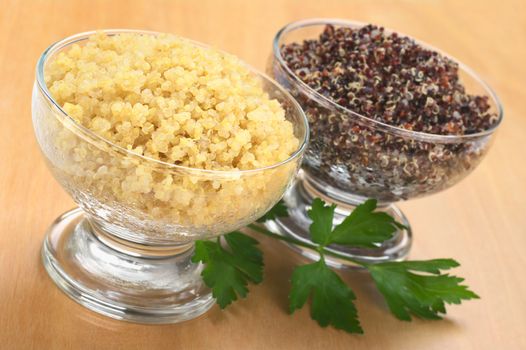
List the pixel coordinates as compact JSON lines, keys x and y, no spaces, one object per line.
{"x":322,"y":217}
{"x":227,"y":272}
{"x":423,"y":295}
{"x":278,"y":210}
{"x":410,"y":288}
{"x":331,"y":299}
{"x":364,"y":227}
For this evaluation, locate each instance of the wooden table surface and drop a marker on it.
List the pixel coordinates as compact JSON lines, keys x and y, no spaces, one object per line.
{"x":481,"y":221}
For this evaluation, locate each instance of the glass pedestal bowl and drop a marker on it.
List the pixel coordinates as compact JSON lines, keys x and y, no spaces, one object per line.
{"x":351,"y":157}
{"x":126,"y":252}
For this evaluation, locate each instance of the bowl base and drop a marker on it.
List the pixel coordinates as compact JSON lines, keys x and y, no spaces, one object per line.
{"x":298,"y":200}
{"x":160,"y":289}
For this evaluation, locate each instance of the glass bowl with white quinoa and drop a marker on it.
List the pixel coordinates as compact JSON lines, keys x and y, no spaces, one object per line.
{"x":162,"y":139}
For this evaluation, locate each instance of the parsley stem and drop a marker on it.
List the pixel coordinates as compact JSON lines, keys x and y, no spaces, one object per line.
{"x":321,"y":250}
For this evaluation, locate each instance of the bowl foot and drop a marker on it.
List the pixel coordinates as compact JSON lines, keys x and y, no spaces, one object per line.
{"x":298,"y":201}
{"x":160,"y":288}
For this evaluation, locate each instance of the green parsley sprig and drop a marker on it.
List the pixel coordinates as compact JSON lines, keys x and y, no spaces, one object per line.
{"x":410,"y":288}
{"x":228,"y":270}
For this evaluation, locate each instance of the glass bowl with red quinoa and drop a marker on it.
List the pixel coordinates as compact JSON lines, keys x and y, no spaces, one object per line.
{"x":390,"y":117}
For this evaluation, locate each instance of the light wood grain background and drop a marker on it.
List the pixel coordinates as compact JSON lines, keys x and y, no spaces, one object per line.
{"x":481,"y":222}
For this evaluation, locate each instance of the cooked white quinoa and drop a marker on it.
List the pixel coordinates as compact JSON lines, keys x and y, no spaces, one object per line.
{"x":169,"y":99}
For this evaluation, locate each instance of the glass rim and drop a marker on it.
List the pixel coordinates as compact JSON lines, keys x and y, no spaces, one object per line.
{"x":329,"y":103}
{"x":84,"y":132}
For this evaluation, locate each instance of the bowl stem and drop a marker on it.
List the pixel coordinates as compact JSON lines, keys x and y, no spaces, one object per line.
{"x":298,"y":201}
{"x":121,"y":279}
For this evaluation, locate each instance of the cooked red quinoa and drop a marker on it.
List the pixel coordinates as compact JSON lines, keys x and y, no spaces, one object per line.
{"x":389,"y":78}
{"x":394,"y":80}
